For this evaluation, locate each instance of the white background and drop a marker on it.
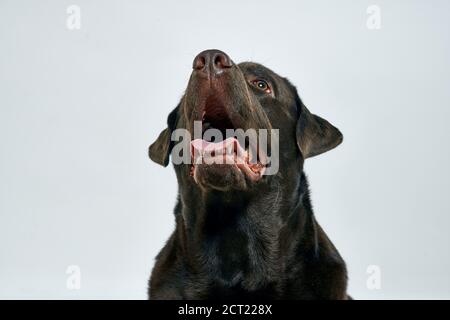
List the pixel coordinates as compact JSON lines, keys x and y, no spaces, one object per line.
{"x":79,"y":108}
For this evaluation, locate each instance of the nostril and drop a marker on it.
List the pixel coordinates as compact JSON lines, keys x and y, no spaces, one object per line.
{"x":199,"y":62}
{"x":218,"y":60}
{"x":222,"y":61}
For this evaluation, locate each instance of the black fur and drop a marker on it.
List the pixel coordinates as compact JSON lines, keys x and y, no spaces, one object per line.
{"x":259,"y":240}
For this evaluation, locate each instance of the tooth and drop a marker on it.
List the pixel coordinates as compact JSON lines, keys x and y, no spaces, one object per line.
{"x":238,"y":156}
{"x":253,"y":156}
{"x":198,"y":158}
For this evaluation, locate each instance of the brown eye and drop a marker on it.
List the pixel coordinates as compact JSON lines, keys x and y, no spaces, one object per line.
{"x":262,"y":85}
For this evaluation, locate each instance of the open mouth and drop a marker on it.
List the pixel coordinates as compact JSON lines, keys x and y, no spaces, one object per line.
{"x":227,"y":150}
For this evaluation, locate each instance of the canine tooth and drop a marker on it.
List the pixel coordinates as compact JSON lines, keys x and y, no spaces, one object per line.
{"x":197,"y":156}
{"x":253,"y":155}
{"x":198,"y":159}
{"x":240,"y":156}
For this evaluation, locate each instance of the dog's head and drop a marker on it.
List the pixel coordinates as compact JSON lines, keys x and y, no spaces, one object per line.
{"x":222,"y":112}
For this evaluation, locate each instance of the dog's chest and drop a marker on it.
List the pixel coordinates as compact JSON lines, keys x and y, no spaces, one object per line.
{"x":240,"y":262}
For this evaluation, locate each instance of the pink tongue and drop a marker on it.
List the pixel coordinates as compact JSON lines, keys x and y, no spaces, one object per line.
{"x":200,"y":146}
{"x":227,"y":148}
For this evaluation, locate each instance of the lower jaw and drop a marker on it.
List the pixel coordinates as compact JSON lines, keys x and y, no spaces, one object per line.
{"x":224,"y":176}
{"x":228,"y":160}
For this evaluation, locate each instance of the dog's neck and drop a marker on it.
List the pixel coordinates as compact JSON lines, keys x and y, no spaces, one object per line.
{"x":236,"y":232}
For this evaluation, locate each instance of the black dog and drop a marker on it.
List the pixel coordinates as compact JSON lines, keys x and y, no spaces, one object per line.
{"x":240,"y":233}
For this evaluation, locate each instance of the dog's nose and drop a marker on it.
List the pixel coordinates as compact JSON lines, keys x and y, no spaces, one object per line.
{"x":214,"y":61}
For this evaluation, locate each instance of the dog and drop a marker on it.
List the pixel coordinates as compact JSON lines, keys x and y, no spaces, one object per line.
{"x":241,"y":233}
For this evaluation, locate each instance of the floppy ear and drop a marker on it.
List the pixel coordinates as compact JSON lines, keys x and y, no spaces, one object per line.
{"x":315,"y":135}
{"x":159,"y":150}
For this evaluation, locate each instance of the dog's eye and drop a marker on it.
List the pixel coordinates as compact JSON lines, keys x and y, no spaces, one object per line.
{"x":262,"y":85}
